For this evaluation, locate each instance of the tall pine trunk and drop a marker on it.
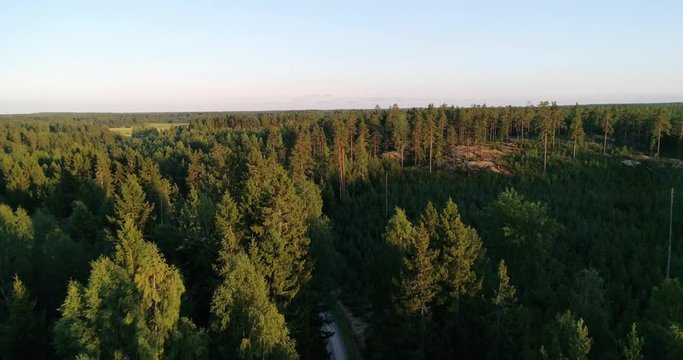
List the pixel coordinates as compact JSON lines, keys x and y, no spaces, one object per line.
{"x":545,"y":150}
{"x":659,"y":141}
{"x":402,"y":148}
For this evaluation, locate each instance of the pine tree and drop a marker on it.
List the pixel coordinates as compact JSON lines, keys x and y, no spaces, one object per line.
{"x":607,"y":128}
{"x":430,"y":122}
{"x":557,"y":115}
{"x":340,"y":140}
{"x":103,"y":176}
{"x":576,"y":129}
{"x":439,"y":141}
{"x":545,"y":122}
{"x":506,"y":121}
{"x":662,"y":126}
{"x":418,"y":136}
{"x":375,"y":124}
{"x":398,"y":123}
{"x":362,"y":157}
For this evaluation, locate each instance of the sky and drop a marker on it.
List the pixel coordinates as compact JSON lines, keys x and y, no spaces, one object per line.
{"x":203,"y":55}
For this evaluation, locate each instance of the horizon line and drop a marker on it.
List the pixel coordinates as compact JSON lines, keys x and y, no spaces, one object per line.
{"x":325,"y":109}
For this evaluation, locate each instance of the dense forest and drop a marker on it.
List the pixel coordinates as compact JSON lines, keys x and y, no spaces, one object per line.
{"x":230,"y":235}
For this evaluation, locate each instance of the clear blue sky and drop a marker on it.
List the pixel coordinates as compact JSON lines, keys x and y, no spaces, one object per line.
{"x":255,"y":55}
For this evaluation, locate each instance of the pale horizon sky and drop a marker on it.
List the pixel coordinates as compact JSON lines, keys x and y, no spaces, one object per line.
{"x":203,"y":55}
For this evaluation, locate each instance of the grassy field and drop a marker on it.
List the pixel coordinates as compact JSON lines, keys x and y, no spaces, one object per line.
{"x":128,"y":131}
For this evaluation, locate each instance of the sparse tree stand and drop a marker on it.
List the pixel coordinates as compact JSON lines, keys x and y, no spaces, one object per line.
{"x":544,"y":124}
{"x":607,"y":127}
{"x":399,"y":129}
{"x":340,"y":135}
{"x":662,"y":127}
{"x":430,"y":123}
{"x":576,"y":129}
{"x":557,"y":119}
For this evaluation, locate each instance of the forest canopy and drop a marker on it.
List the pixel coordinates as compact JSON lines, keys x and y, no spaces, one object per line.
{"x":537,"y":232}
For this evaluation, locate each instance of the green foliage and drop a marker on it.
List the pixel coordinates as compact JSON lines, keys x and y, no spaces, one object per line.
{"x":130,"y":204}
{"x":418,"y":280}
{"x":505,"y":318}
{"x":665,"y":321}
{"x":398,"y":125}
{"x":634,"y":345}
{"x":301,"y":160}
{"x":16,"y":241}
{"x":130,"y":306}
{"x":569,"y":339}
{"x":462,"y":250}
{"x":226,"y":219}
{"x":399,"y":231}
{"x":310,"y":211}
{"x":278,"y":243}
{"x":576,"y":130}
{"x":587,"y":300}
{"x":245,"y":323}
{"x":523,"y":232}
{"x":23,"y":331}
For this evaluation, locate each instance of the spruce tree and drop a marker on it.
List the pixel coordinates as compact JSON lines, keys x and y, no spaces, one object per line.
{"x":227,"y":220}
{"x":276,"y":229}
{"x":301,"y":161}
{"x":504,"y":318}
{"x":417,"y":283}
{"x":130,"y":204}
{"x":23,"y":334}
{"x":461,"y":252}
{"x":399,"y":231}
{"x":245,"y":323}
{"x":129,"y":308}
